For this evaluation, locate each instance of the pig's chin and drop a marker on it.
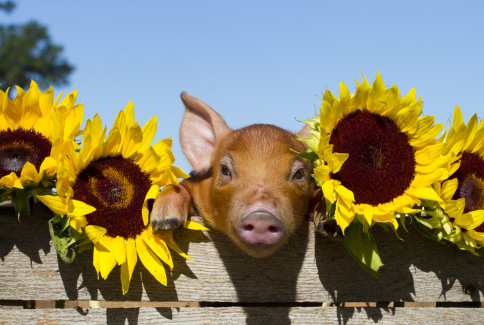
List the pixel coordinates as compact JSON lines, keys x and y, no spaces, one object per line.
{"x":259,"y":249}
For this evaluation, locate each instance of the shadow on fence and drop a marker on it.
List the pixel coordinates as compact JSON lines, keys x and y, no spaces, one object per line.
{"x":257,"y":279}
{"x":345,"y":281}
{"x":271,"y":281}
{"x":29,"y":234}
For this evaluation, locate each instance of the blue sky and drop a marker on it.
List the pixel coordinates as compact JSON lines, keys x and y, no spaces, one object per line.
{"x":261,"y":61}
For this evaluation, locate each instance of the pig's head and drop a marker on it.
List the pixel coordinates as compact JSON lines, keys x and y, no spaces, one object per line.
{"x":253,"y":187}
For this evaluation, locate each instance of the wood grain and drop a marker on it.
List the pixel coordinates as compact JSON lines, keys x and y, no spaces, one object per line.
{"x":238,"y":315}
{"x":224,"y":285}
{"x":308,"y":268}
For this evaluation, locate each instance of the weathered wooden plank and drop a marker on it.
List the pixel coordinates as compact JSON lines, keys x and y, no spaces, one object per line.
{"x":249,"y":315}
{"x":308,"y":268}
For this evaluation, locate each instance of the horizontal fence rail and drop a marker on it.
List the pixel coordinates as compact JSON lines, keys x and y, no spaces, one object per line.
{"x":311,"y":279}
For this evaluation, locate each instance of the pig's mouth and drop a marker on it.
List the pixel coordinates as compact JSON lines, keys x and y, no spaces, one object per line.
{"x":260,"y":233}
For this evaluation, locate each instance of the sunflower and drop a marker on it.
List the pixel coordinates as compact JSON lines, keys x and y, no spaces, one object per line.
{"x":462,"y":216}
{"x":376,"y":155}
{"x":33,"y":131}
{"x":105,"y":190}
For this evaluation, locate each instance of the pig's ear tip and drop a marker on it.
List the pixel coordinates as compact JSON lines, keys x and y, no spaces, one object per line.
{"x":184,"y":94}
{"x":186,"y":97}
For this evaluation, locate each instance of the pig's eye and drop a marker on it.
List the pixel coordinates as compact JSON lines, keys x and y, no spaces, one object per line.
{"x":299,"y":174}
{"x":224,"y":170}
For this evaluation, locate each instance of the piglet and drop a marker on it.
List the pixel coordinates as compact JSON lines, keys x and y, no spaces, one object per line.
{"x":246,"y":183}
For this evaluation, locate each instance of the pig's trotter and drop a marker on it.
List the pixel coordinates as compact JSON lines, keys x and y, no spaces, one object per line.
{"x":171,"y":208}
{"x":166,"y":223}
{"x":326,"y":227}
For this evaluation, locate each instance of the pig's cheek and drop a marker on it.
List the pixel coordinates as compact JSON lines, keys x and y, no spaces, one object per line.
{"x":222,"y":203}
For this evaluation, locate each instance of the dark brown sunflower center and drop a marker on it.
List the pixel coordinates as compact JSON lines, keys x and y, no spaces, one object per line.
{"x":471,"y":182}
{"x":20,"y":146}
{"x":381,"y":162}
{"x":116,"y":187}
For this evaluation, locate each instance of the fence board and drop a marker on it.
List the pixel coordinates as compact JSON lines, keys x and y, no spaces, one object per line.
{"x":309,"y":268}
{"x":250,"y":315}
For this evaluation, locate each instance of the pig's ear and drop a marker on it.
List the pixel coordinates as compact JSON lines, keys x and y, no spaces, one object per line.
{"x":200,"y":128}
{"x":304,"y":132}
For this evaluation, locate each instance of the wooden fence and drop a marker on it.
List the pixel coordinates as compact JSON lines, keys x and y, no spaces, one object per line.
{"x":311,"y":280}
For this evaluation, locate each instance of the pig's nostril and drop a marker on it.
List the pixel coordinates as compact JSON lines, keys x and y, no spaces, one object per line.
{"x":261,"y":227}
{"x":249,"y":227}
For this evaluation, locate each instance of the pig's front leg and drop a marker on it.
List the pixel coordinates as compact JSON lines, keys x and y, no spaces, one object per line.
{"x":171,"y":208}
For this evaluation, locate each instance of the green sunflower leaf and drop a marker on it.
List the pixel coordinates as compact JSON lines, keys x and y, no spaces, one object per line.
{"x":66,"y":239}
{"x":62,"y":238}
{"x":308,"y":155}
{"x":363,"y":247}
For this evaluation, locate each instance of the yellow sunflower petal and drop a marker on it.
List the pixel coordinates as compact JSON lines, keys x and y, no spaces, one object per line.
{"x":120,"y":125}
{"x":78,"y":223}
{"x":57,"y":204}
{"x":158,"y":246}
{"x":429,"y":154}
{"x":128,"y":267}
{"x":132,"y":142}
{"x":149,"y":162}
{"x":107,"y":262}
{"x":194,"y":226}
{"x":152,"y":193}
{"x":425,"y":180}
{"x":79,"y":208}
{"x":118,"y":249}
{"x":478,"y":236}
{"x":388,"y":218}
{"x":343,"y":215}
{"x":427,"y":193}
{"x":113,"y":144}
{"x":178,"y":172}
{"x":471,"y":219}
{"x":322,"y":174}
{"x":368,"y":213}
{"x":129,"y":114}
{"x":29,"y":173}
{"x":328,"y":191}
{"x":345,"y":193}
{"x":95,"y":260}
{"x":95,"y":233}
{"x":471,"y":131}
{"x":336,"y":160}
{"x":48,"y":166}
{"x":149,"y":130}
{"x":455,"y":208}
{"x":150,"y":261}
{"x":173,"y":245}
{"x":449,"y":188}
{"x":163,"y":146}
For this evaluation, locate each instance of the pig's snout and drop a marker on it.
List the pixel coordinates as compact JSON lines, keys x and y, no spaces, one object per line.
{"x":261,"y":227}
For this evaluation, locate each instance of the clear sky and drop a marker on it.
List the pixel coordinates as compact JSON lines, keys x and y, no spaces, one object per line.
{"x":261,"y":61}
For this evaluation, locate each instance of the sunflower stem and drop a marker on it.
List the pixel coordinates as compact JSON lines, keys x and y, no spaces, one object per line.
{"x":22,"y":204}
